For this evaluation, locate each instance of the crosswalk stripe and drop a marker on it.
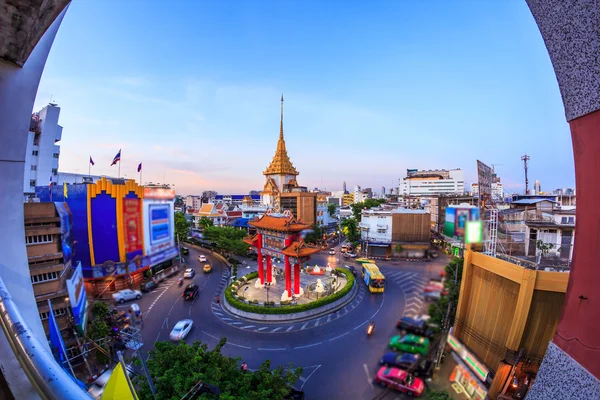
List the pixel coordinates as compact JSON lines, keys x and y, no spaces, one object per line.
{"x":304,"y":326}
{"x":262,"y":329}
{"x":290,"y":328}
{"x":236,"y":323}
{"x":276,"y":329}
{"x":248,"y":326}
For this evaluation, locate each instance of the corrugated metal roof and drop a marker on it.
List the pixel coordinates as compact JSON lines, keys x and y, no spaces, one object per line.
{"x":530,"y":201}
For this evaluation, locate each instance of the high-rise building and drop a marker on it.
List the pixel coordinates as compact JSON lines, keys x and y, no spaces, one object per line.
{"x":537,"y":187}
{"x":425,"y":183}
{"x":497,"y":191}
{"x":344,"y":187}
{"x":42,"y":152}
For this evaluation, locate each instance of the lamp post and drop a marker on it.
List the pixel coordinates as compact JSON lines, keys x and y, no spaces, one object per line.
{"x":339,"y":233}
{"x":268,"y":288}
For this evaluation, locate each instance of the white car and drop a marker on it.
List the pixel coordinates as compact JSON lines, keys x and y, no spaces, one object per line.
{"x":189,"y":273}
{"x":332,"y":252}
{"x":202,"y":258}
{"x":181,"y":329}
{"x":98,"y":385}
{"x":126,"y":294}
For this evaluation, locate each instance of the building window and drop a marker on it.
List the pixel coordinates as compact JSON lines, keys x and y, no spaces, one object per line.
{"x":32,"y":182}
{"x":55,"y":155}
{"x":380,"y":230}
{"x":45,"y":277}
{"x":54,"y":171}
{"x":59,"y":312}
{"x":34,"y":167}
{"x":38,"y":239}
{"x":34,"y":153}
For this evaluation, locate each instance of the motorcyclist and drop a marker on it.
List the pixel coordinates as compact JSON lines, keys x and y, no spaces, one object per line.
{"x":370,"y":327}
{"x":180,"y":281}
{"x":218,"y":299}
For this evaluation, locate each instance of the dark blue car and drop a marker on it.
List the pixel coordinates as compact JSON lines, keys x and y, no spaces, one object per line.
{"x":412,"y":363}
{"x":414,"y":326}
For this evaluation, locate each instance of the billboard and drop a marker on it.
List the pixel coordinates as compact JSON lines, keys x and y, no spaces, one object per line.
{"x":159,"y":223}
{"x":65,"y":232}
{"x":450,"y":221}
{"x":132,"y":226}
{"x":484,"y":181}
{"x":78,"y":298}
{"x":457,"y":218}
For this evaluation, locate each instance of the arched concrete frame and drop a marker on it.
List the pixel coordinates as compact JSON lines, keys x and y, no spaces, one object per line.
{"x":570,"y":31}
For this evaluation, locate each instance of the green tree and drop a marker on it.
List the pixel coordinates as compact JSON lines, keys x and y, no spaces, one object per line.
{"x":226,"y":239}
{"x":438,"y":395}
{"x":176,"y":368}
{"x":368,"y":203}
{"x":350,"y":229}
{"x":182,"y":227}
{"x":98,"y":328}
{"x":331,"y":209}
{"x":204,"y":222}
{"x":438,"y":310}
{"x":315,"y":236}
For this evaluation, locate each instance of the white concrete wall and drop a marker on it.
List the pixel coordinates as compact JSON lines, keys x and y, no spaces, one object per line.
{"x":18,"y":87}
{"x":375,"y":223}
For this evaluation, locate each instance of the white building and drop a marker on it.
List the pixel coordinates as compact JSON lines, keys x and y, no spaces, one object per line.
{"x":42,"y":152}
{"x":193,"y":202}
{"x":376,"y":226}
{"x":550,"y":236}
{"x":426,"y":183}
{"x":497,"y":191}
{"x":360,"y":196}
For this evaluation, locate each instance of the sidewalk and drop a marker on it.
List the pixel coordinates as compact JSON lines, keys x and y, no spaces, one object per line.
{"x":441,"y":378}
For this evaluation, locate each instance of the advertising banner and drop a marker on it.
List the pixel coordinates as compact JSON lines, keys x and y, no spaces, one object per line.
{"x":159,"y":193}
{"x":159,"y":223}
{"x":77,"y":297}
{"x":450,"y":221}
{"x":484,"y":181}
{"x":65,"y":232}
{"x":462,"y":216}
{"x":132,"y":226}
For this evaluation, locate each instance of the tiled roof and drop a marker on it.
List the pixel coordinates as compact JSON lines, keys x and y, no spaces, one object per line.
{"x":299,"y":249}
{"x":282,"y":224}
{"x":206,"y":209}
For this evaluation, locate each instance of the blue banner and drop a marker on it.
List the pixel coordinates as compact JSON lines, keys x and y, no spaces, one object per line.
{"x":77,"y":297}
{"x":56,"y":340}
{"x":65,"y":232}
{"x":159,"y":223}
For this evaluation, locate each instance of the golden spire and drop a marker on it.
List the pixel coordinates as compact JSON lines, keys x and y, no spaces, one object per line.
{"x":281,"y":164}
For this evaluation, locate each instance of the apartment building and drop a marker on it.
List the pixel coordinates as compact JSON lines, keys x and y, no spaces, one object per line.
{"x":431,"y":182}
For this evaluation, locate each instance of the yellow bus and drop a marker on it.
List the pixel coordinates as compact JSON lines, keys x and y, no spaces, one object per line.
{"x":373,"y":278}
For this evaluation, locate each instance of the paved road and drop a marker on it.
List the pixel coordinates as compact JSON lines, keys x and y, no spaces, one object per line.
{"x":338,"y":358}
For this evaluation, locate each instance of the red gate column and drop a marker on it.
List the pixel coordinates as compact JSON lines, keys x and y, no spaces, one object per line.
{"x":269,"y":270}
{"x":288,"y":273}
{"x":261,"y":277}
{"x":297,"y":289}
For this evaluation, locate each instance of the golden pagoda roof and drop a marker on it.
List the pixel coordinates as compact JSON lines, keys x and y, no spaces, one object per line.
{"x":281,"y":164}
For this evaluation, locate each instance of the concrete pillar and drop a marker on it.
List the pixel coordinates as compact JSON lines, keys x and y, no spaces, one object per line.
{"x":269,"y":269}
{"x":288,"y":271}
{"x":18,"y":88}
{"x":297,"y":289}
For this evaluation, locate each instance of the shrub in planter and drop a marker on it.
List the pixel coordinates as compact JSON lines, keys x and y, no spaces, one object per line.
{"x":286,"y":302}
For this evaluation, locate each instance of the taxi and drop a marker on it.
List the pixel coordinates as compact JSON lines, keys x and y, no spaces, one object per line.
{"x":400,"y":380}
{"x":207,"y":268}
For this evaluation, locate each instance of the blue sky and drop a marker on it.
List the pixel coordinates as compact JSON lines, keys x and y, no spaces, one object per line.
{"x":371,"y":88}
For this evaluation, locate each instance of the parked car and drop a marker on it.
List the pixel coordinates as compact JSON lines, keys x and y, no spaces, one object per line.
{"x":207,"y":268}
{"x":410,"y":344}
{"x":400,"y":381}
{"x":148,"y":286}
{"x":351,"y":255}
{"x":416,"y":326}
{"x":126,"y":294}
{"x":189,"y":273}
{"x":185,"y":251}
{"x":434,"y":286}
{"x":181,"y":329}
{"x":412,"y":363}
{"x":331,"y":252}
{"x":432,"y":296}
{"x":202,"y":258}
{"x":191,"y":292}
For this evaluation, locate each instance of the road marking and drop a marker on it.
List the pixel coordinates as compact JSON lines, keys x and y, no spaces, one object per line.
{"x":307,"y":378}
{"x":217,"y":312}
{"x":276,"y":329}
{"x":214,"y":337}
{"x":337,"y":337}
{"x":248,"y":326}
{"x":226,"y":319}
{"x":304,"y":326}
{"x":290,"y":328}
{"x":308,"y":345}
{"x":238,"y":345}
{"x":360,"y":325}
{"x":278,"y":349}
{"x":355,"y":301}
{"x":190,"y":313}
{"x":317,"y":323}
{"x":329,"y":318}
{"x":236,"y":323}
{"x":262,"y":329}
{"x":369,"y":379}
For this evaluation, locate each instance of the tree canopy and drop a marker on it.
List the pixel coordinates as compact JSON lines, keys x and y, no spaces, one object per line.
{"x":182,"y":226}
{"x":227,"y":239}
{"x":315,"y":235}
{"x":331,"y":208}
{"x":350,"y":229}
{"x":205,"y":222}
{"x":177,"y":368}
{"x":368,"y":203}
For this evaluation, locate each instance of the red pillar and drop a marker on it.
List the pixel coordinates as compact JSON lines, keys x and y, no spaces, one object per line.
{"x":297,"y":279}
{"x":288,"y":270}
{"x":261,"y":267}
{"x":269,"y":270}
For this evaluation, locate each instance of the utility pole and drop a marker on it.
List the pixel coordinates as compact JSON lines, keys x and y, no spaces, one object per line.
{"x":526,"y":158}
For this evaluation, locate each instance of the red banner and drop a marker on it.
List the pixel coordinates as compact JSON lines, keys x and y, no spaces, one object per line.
{"x":132,"y":225}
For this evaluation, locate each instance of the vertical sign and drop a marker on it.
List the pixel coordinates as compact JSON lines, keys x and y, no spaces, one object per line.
{"x":65,"y":232}
{"x":132,"y":226}
{"x":78,"y":298}
{"x":159,"y":223}
{"x":484,"y":180}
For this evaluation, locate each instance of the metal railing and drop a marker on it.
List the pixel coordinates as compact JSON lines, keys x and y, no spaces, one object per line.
{"x":48,"y":378}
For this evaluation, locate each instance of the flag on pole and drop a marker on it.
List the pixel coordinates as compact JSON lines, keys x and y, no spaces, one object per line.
{"x":50,"y":185}
{"x":116,"y":159}
{"x":117,"y":387}
{"x":140,"y":167}
{"x":92,"y":161}
{"x":65,"y":190}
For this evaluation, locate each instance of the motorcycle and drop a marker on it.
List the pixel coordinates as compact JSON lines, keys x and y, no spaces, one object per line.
{"x":370,"y":328}
{"x":179,"y":282}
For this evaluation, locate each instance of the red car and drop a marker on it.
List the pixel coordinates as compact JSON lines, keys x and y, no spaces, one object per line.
{"x":400,"y":380}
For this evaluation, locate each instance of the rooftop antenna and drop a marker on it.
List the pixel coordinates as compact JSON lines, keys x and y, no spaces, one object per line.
{"x":526,"y":158}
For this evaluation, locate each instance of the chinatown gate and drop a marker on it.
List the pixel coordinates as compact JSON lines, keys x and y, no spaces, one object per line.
{"x":280,"y":236}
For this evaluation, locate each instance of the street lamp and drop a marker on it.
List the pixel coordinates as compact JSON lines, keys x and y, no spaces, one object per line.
{"x":268,"y":288}
{"x":339,"y":245}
